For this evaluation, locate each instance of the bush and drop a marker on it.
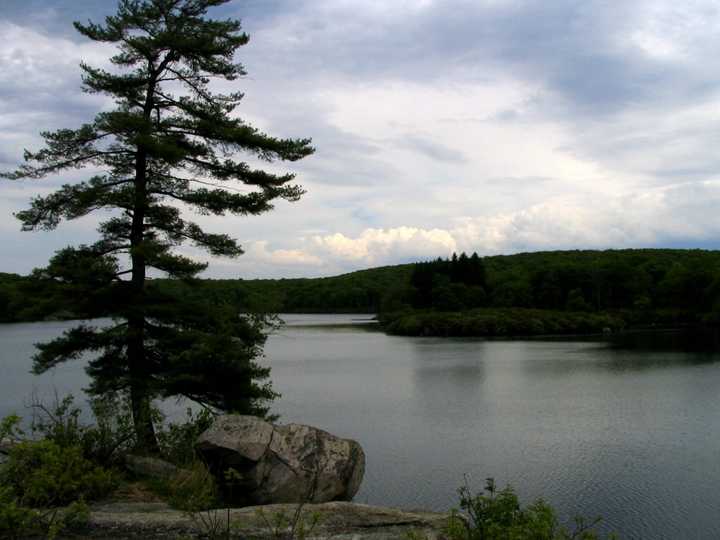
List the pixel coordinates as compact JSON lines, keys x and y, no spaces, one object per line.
{"x":46,"y":480}
{"x":194,"y":489}
{"x":44,"y":474}
{"x":195,"y":492}
{"x":44,"y":483}
{"x":13,"y":516}
{"x":102,"y":443}
{"x":17,"y":521}
{"x":177,"y":441}
{"x":498,"y":515}
{"x":10,"y":428}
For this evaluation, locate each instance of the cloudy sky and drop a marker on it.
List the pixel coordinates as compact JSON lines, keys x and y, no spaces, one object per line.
{"x":494,"y":126}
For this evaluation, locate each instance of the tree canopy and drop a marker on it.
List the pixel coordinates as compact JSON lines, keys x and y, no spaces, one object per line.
{"x":170,"y":142}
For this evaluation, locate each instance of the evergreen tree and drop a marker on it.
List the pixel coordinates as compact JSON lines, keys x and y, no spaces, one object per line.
{"x":477,"y":271}
{"x":170,"y":141}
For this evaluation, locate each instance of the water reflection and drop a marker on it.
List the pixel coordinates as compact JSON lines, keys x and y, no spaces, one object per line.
{"x":624,"y":429}
{"x":445,"y":378}
{"x":626,"y":353}
{"x":697,"y":341}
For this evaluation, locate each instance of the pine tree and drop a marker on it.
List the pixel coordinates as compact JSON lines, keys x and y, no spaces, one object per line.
{"x":170,"y":142}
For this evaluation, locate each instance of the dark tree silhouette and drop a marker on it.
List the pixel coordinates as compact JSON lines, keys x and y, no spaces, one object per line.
{"x":170,"y":141}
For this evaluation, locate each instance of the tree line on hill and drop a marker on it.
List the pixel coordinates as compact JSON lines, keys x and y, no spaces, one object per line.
{"x":685,"y":282}
{"x":572,"y":292}
{"x":571,"y":281}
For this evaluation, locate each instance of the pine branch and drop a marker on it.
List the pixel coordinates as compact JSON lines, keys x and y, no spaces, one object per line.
{"x":202,"y":93}
{"x":171,"y":343}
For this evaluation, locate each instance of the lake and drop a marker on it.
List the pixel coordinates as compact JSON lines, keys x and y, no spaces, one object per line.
{"x":630,"y":433}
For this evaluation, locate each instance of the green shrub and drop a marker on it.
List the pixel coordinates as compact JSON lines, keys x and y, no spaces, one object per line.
{"x":44,"y":474}
{"x":193,"y":489}
{"x":13,"y":516}
{"x":17,"y":521}
{"x":498,"y":515}
{"x":10,"y":428}
{"x":102,"y":443}
{"x":177,"y":440}
{"x":44,"y":483}
{"x":59,"y":423}
{"x":289,"y":525}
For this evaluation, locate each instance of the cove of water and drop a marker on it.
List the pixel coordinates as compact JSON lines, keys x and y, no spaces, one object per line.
{"x":629,"y":433}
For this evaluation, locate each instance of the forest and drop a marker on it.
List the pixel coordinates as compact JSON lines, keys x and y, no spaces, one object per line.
{"x":529,"y":293}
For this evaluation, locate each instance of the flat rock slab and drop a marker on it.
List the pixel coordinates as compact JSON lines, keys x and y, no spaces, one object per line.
{"x":337,"y":520}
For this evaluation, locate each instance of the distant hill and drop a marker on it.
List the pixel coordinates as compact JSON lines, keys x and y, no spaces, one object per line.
{"x":362,"y":291}
{"x":641,"y":280}
{"x":588,"y":279}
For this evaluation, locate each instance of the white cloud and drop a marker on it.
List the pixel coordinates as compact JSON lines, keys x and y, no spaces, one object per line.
{"x":284,"y":257}
{"x":376,"y":246}
{"x":650,"y":218}
{"x":40,"y":86}
{"x":39,"y":65}
{"x":494,"y":126}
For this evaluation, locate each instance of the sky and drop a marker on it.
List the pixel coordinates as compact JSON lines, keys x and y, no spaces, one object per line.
{"x":495,"y":126}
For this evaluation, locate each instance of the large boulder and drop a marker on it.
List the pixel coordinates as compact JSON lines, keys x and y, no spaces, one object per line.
{"x":281,"y":463}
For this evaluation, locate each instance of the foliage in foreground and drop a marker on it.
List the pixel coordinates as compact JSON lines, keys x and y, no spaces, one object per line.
{"x":17,"y":521}
{"x":111,"y":435}
{"x":43,"y":489}
{"x":498,"y":515}
{"x":177,"y":439}
{"x":49,"y":476}
{"x":43,"y":474}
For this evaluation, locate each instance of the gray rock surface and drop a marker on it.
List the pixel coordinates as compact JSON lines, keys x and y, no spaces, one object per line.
{"x":283,"y":463}
{"x":336,"y":520}
{"x":150,"y":467}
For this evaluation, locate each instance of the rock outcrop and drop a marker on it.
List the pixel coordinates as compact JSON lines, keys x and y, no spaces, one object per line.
{"x":281,"y":463}
{"x":335,"y":521}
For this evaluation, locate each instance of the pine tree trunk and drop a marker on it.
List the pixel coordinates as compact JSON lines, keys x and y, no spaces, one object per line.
{"x":140,"y":394}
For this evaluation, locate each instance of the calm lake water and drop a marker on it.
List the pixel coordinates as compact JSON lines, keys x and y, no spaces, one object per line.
{"x":631,"y":434}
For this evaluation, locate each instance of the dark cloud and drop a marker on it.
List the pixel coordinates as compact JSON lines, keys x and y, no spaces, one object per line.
{"x":578,"y":49}
{"x":55,"y":16}
{"x":608,"y":103}
{"x":581,"y":51}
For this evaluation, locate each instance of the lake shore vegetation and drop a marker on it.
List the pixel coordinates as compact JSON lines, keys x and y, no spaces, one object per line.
{"x":544,"y":293}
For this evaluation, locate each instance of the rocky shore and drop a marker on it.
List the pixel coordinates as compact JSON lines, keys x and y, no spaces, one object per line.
{"x":336,"y":520}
